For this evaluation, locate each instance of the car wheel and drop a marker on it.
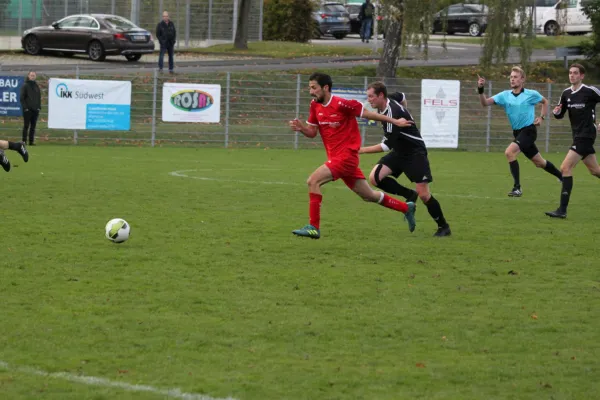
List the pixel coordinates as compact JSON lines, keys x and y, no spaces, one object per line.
{"x":339,"y":35}
{"x":551,"y":28}
{"x":474,"y":29}
{"x":32,"y":45}
{"x":96,"y":51}
{"x":133,"y":57}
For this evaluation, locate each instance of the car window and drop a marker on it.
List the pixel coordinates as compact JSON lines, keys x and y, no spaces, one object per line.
{"x":68,"y":22}
{"x":572,"y":4}
{"x":476,"y":9}
{"x":353,"y":9}
{"x":545,"y":3}
{"x":457,"y":9}
{"x":334,"y":8}
{"x":119,"y":23}
{"x":86,"y":22}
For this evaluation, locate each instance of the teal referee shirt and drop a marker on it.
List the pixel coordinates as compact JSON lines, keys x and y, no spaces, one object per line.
{"x":520,"y":108}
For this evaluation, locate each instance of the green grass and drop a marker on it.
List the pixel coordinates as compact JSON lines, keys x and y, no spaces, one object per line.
{"x":213,"y":295}
{"x":540,"y":42}
{"x":286,"y":50}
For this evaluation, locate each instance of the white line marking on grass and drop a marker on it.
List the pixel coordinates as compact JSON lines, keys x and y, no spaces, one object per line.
{"x":182,"y":174}
{"x":103,"y":382}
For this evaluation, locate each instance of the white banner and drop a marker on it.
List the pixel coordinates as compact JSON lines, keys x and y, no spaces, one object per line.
{"x":189,"y":102}
{"x":89,"y":104}
{"x":440,"y":104}
{"x":358,"y":95}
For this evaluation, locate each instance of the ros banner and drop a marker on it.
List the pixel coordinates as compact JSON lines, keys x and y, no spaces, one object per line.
{"x":89,"y":104}
{"x":10,"y":93}
{"x":189,"y":102}
{"x":440,"y":106}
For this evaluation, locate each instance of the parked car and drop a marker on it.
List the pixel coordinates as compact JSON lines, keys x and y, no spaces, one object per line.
{"x":461,"y":18}
{"x":353,"y":11}
{"x":96,"y":35}
{"x":565,"y":16}
{"x":331,"y":19}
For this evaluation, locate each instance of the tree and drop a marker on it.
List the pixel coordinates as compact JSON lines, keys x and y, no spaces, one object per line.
{"x":410,"y":21}
{"x":241,"y":33}
{"x":591,"y":49}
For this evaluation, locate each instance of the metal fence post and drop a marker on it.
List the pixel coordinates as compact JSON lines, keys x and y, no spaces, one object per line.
{"x":153,"y":139}
{"x":178,"y":21}
{"x":260,"y":20}
{"x":34,"y":6}
{"x":298,"y":80}
{"x":489,"y":121}
{"x":112,"y":6}
{"x":227,"y":109}
{"x":548,"y":119}
{"x":187,"y":23}
{"x":161,"y":8}
{"x":20,"y":22}
{"x":363,"y":129}
{"x":66,"y":8}
{"x":75,"y":136}
{"x":235,"y":20}
{"x":210,"y":6}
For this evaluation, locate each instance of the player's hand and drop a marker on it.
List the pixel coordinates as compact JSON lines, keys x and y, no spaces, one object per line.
{"x":537,"y":121}
{"x":403,"y":122}
{"x":557,"y":109}
{"x":480,"y":81}
{"x":295,"y":125}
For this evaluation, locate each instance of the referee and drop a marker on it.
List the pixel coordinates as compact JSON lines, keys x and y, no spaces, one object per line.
{"x":580,"y":101}
{"x":519,"y":104}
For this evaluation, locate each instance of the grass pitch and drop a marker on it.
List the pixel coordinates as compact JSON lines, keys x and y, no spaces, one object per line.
{"x":213,"y":295}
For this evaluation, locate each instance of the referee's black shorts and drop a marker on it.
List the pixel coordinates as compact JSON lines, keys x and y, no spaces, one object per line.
{"x":525,"y":139}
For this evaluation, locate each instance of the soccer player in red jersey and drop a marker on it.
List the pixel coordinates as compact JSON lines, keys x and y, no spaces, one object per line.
{"x":335,"y":119}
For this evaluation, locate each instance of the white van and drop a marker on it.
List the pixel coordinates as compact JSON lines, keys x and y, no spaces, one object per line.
{"x":565,"y":16}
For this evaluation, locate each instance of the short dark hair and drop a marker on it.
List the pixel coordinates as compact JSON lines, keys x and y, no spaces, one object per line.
{"x":379,"y":87}
{"x":580,"y":67}
{"x":322,"y":79}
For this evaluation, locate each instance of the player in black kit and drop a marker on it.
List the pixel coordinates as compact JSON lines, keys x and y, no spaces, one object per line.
{"x":580,"y":101}
{"x":407,"y":154}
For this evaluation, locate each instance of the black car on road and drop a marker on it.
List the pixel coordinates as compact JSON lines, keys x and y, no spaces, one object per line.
{"x":461,"y":18}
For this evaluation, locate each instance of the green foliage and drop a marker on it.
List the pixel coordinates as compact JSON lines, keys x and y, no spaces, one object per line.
{"x":288,"y":20}
{"x":591,"y":8}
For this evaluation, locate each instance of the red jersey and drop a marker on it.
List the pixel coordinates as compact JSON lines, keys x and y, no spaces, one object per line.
{"x":337,"y":124}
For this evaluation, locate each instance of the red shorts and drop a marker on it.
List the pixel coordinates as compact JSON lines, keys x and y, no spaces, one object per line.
{"x":345,"y":167}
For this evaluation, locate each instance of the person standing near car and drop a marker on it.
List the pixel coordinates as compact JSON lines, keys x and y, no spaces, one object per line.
{"x":31,"y":103}
{"x":166,"y":35}
{"x":367,"y":10}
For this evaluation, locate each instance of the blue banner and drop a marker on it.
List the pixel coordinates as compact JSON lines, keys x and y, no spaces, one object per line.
{"x":10,"y":93}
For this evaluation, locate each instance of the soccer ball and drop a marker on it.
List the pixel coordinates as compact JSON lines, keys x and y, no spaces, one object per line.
{"x":117,"y":230}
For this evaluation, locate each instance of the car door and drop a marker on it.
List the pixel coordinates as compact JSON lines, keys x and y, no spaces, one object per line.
{"x":454,"y":15}
{"x":62,"y":35}
{"x":82,"y":33}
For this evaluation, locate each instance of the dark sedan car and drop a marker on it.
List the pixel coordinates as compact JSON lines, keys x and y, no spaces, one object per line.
{"x":96,"y":35}
{"x":331,"y":18}
{"x":463,"y":18}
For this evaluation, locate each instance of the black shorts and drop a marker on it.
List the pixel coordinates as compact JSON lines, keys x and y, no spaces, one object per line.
{"x":525,"y":138}
{"x":583,"y":146}
{"x":414,"y":165}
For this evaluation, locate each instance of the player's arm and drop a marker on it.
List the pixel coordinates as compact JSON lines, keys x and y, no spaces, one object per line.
{"x":402,"y":122}
{"x":378,"y":148}
{"x":307,"y":130}
{"x":560,"y":110}
{"x":483,"y":99}
{"x":400,"y":98}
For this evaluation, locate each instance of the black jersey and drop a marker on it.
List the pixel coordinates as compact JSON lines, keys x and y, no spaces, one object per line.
{"x":402,"y":140}
{"x":581,"y":105}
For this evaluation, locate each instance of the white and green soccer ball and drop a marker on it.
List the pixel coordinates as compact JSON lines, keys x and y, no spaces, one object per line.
{"x":117,"y":230}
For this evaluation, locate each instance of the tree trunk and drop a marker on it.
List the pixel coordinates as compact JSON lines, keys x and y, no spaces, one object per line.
{"x":391,"y":50}
{"x":241,"y":34}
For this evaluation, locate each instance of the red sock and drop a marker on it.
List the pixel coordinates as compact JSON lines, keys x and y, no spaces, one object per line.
{"x":314,"y":210}
{"x":394,"y":204}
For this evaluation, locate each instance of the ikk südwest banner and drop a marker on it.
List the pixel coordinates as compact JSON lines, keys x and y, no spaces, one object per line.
{"x":440,"y":106}
{"x":189,"y":102}
{"x":89,"y":104}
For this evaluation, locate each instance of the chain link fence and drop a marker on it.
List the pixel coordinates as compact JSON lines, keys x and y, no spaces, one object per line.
{"x":198,"y":23}
{"x":255,"y":109}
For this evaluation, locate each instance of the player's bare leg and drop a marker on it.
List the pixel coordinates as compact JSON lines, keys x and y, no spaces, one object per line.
{"x":541,"y":162}
{"x":511,"y":153}
{"x":318,"y":178}
{"x":566,"y":168}
{"x":380,"y":178}
{"x":19,"y":147}
{"x":434,"y":208}
{"x":591,"y":162}
{"x":362,"y":188}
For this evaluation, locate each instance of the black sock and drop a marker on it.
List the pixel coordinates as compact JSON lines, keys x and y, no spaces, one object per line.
{"x":14,"y":146}
{"x":565,"y":193}
{"x":390,"y":185}
{"x":514,"y":170}
{"x":435,"y":210}
{"x":551,"y":169}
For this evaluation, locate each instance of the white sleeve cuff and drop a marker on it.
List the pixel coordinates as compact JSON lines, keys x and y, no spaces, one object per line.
{"x":311,"y":124}
{"x":384,"y":147}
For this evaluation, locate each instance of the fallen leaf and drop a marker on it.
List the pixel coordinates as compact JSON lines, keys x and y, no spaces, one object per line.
{"x":444,"y":338}
{"x":420,"y":365}
{"x":534,"y":316}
